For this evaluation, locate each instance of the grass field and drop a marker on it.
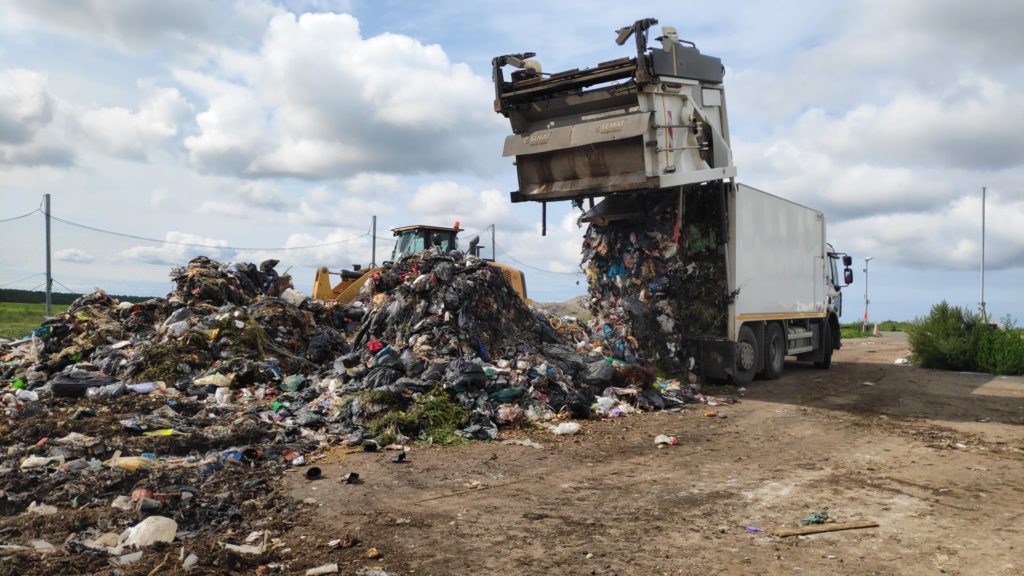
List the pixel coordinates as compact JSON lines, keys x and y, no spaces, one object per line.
{"x":17,"y":320}
{"x":853,"y":329}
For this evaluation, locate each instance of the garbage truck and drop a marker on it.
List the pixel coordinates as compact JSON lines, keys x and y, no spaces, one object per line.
{"x":647,"y":135}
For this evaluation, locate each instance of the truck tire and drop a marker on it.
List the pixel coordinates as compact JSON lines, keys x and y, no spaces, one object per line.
{"x":774,"y":352}
{"x":747,"y":352}
{"x":826,"y":344}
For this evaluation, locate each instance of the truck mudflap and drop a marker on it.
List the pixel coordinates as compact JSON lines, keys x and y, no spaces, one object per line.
{"x":717,"y":357}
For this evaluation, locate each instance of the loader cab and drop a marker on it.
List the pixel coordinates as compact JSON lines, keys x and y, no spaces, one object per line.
{"x":415,"y":239}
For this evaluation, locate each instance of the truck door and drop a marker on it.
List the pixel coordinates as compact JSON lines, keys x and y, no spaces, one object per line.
{"x":835,"y":297}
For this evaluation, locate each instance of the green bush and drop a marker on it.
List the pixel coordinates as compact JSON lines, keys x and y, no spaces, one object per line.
{"x":998,"y":351}
{"x":943,"y":338}
{"x":954,"y":338}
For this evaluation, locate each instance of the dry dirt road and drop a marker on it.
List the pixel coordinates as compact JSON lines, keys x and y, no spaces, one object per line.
{"x":936,"y":458}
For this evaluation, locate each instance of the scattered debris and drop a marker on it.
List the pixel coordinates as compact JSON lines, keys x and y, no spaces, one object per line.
{"x":816,"y":518}
{"x":522,"y":442}
{"x":324,"y":569}
{"x":666,"y":440}
{"x":566,"y":428}
{"x":150,"y":531}
{"x":832,"y":527}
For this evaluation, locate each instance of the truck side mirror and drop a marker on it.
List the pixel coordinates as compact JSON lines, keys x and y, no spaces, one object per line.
{"x":847,"y":275}
{"x":847,"y":261}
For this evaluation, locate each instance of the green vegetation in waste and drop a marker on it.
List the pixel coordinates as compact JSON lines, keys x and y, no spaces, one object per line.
{"x":161,"y":364}
{"x":433,"y":412}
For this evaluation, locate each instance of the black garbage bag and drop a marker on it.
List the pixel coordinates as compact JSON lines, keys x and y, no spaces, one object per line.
{"x":270,"y":282}
{"x":435,"y":372}
{"x":350,"y":360}
{"x":564,"y":357}
{"x":598,"y":373}
{"x":463,"y":373}
{"x":381,"y":376}
{"x":480,"y":427}
{"x":413,"y":366}
{"x":321,"y":346}
{"x":75,"y":381}
{"x":412,"y":385}
{"x":561,"y":397}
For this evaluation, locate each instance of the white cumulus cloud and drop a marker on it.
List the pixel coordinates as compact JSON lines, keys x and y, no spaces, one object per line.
{"x":29,"y":135}
{"x":330,"y":103}
{"x":75,"y":256}
{"x":181,"y":248}
{"x":133,"y":133}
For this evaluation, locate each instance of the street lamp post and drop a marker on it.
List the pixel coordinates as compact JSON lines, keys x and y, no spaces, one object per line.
{"x":866,"y":301}
{"x":981,"y":305}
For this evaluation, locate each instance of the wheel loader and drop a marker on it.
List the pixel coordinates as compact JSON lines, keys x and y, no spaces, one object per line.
{"x":408,"y":240}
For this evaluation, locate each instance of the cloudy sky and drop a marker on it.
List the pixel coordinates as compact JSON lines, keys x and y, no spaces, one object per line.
{"x":254,"y":129}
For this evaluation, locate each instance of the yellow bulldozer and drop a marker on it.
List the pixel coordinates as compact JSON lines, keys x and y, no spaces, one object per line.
{"x":409,"y":240}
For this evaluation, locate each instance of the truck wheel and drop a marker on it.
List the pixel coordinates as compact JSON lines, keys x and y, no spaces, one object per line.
{"x":747,"y":352}
{"x":826,"y":344}
{"x":775,"y":352}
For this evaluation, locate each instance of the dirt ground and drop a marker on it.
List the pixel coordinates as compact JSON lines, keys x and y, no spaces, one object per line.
{"x":935,"y":458}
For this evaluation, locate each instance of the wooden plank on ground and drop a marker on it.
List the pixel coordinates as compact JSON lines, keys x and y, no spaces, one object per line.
{"x":819,"y":528}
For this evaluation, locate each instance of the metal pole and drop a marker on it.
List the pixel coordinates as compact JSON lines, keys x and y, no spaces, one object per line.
{"x":984,"y":313}
{"x":373,"y":244}
{"x":49,"y":276}
{"x":493,"y":257}
{"x":864,"y":328}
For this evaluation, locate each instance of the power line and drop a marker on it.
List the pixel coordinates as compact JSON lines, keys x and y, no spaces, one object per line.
{"x":21,"y":279}
{"x":532,"y":267}
{"x":65,"y":287}
{"x":201,"y":245}
{"x":25,"y":215}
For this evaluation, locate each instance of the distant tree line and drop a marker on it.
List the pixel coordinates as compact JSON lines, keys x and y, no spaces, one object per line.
{"x":36,"y":297}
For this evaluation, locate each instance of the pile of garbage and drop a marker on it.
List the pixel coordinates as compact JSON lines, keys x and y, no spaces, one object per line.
{"x":658,"y":280}
{"x":189,"y":407}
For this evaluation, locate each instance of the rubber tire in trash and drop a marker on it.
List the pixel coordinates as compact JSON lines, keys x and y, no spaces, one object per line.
{"x":826,"y":343}
{"x":747,"y":352}
{"x":774,"y":352}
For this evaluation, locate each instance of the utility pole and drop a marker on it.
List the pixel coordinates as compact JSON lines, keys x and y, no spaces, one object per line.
{"x":493,"y":257}
{"x":866,"y":301}
{"x":984,"y":314}
{"x":49,"y":276}
{"x":373,"y":244}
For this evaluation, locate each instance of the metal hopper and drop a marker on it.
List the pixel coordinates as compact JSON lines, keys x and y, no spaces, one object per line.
{"x":653,"y":121}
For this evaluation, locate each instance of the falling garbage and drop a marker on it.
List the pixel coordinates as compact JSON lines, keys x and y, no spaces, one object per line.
{"x":655,"y":283}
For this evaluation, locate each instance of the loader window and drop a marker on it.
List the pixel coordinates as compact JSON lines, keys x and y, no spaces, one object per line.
{"x":444,"y":241}
{"x":416,"y":241}
{"x":410,"y":242}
